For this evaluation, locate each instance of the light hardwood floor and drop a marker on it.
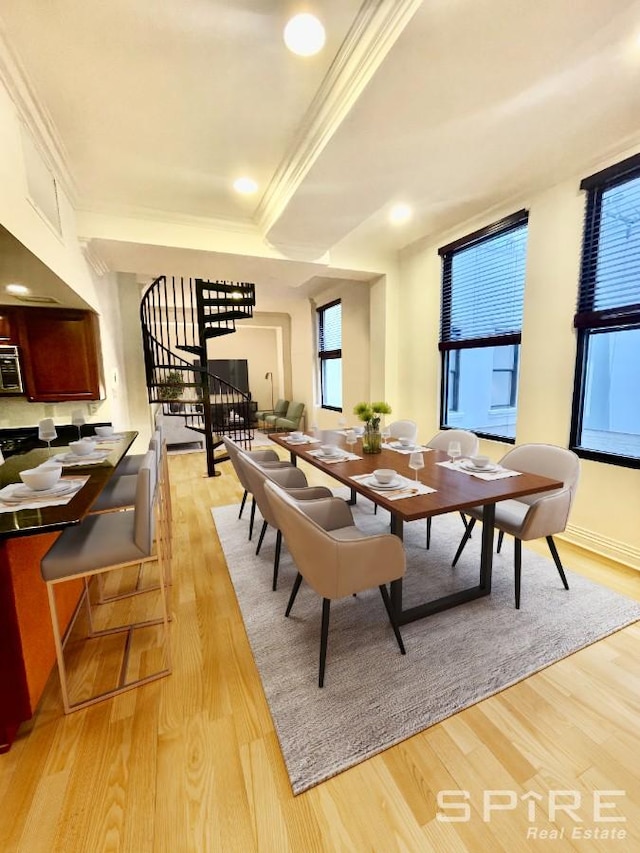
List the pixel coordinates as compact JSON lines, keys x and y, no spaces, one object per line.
{"x":192,"y":763}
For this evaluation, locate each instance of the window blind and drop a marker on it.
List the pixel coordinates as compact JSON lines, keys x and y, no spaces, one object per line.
{"x":483,"y":286}
{"x":330,"y":331}
{"x":610,"y":278}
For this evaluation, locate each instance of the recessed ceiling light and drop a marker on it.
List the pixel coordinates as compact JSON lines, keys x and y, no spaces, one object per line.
{"x":399,"y":213}
{"x":304,"y":35}
{"x":246,"y":186}
{"x":17,"y":289}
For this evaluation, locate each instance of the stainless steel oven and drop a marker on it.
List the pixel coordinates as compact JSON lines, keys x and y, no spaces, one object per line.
{"x":10,"y":375}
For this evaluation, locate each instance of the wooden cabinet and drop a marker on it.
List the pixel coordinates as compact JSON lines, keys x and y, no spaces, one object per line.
{"x":60,"y":354}
{"x":8,"y":332}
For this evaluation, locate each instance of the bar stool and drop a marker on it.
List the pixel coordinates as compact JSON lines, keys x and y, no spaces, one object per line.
{"x":104,"y":543}
{"x":119,"y":494}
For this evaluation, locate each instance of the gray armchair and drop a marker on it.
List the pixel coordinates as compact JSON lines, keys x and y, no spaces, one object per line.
{"x":533,"y":516}
{"x":333,"y":556}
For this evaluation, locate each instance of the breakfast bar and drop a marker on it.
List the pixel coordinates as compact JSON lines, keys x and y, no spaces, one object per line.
{"x":27,"y":652}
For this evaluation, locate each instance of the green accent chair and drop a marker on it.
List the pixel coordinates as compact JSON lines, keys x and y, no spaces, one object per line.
{"x":270,"y":415}
{"x":292,"y":418}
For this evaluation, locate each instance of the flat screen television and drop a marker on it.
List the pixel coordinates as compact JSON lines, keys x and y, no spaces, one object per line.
{"x":235,"y":371}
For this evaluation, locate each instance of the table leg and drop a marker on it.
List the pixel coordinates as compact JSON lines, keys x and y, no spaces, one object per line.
{"x":486,"y":551}
{"x":353,"y":498}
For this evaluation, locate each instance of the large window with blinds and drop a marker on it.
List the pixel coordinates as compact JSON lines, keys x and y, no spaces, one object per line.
{"x":606,"y":405}
{"x":482,"y":295}
{"x":330,"y":355}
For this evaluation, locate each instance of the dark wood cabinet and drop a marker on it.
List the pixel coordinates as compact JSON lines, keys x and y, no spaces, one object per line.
{"x":60,"y":354}
{"x":8,"y":331}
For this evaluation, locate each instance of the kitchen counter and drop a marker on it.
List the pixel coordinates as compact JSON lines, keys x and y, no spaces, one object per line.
{"x":26,"y":522}
{"x":27,"y":651}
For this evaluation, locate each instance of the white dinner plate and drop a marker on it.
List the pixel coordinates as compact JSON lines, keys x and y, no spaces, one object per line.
{"x":487,"y":469}
{"x":397,"y":446}
{"x":55,"y":491}
{"x":332,"y":456}
{"x":374,"y":484}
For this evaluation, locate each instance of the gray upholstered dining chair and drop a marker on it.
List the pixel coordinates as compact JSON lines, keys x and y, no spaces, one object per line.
{"x":292,"y":479}
{"x":468,"y":446}
{"x":534,"y":516}
{"x":333,"y":556}
{"x":104,"y":543}
{"x":267,"y":458}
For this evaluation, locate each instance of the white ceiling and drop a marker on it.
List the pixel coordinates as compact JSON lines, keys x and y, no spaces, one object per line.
{"x":450,"y":105}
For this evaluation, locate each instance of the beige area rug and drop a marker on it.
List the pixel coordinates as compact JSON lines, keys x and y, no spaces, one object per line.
{"x":373,"y":697}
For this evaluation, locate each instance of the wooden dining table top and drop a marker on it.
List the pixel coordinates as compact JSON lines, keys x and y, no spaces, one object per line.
{"x":455,"y":489}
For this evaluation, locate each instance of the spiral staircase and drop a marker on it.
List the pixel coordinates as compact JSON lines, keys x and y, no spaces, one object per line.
{"x":178,"y":317}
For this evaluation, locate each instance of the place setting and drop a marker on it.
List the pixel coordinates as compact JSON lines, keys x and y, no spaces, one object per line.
{"x":106,"y":435}
{"x":395,"y":486}
{"x":297,"y":437}
{"x":41,"y":486}
{"x":331,"y":453}
{"x":476,"y":466}
{"x":82,"y":452}
{"x":404,"y":446}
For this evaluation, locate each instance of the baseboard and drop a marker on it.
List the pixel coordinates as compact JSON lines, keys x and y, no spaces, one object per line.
{"x":603,"y":546}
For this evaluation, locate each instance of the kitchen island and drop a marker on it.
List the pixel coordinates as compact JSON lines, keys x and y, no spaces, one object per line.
{"x":27,"y":652}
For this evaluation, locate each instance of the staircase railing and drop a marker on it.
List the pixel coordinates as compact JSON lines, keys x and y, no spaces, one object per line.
{"x":179,"y":315}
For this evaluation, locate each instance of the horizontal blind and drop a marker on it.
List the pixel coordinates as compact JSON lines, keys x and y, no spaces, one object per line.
{"x":610,"y":279}
{"x":483,"y":289}
{"x":330,"y":331}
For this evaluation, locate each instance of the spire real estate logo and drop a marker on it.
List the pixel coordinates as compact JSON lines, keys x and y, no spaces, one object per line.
{"x":556,"y":814}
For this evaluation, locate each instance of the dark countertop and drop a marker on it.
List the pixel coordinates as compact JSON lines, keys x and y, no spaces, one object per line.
{"x":28,"y":522}
{"x":22,"y":439}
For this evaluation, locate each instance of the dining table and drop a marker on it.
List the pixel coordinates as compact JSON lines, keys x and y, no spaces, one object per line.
{"x":450,"y":487}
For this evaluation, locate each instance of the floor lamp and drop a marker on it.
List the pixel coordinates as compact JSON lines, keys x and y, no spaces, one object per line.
{"x":269,"y":375}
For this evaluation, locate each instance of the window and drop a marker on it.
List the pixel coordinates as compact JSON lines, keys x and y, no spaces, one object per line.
{"x":482,"y":295}
{"x":606,"y":404}
{"x":330,"y":355}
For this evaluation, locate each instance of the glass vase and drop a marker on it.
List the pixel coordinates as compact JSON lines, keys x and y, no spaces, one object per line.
{"x":371,"y":440}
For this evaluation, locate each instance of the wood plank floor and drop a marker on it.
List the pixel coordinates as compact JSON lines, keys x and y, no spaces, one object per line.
{"x":192,"y":763}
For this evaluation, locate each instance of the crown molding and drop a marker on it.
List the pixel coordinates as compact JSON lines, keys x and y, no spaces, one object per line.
{"x":35,"y":116}
{"x":94,"y":259}
{"x":237,"y":226}
{"x":374,"y":31}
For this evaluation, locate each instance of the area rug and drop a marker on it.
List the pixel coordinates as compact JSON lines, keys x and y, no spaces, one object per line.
{"x":374,"y":697}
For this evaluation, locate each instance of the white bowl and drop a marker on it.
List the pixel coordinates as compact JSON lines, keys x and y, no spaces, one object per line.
{"x":40,"y":478}
{"x":406,"y":442}
{"x":359,"y":430}
{"x":328,"y":449}
{"x":82,"y":447}
{"x":104,"y":431}
{"x":384,"y":475}
{"x":296,"y":435}
{"x":479,"y":461}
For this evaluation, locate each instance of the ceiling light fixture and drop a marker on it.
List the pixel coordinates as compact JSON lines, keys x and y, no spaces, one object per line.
{"x":304,"y":35}
{"x":246,"y":186}
{"x":400,"y":213}
{"x":17,"y":289}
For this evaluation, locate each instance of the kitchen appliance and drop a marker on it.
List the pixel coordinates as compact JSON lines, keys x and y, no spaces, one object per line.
{"x":10,"y":375}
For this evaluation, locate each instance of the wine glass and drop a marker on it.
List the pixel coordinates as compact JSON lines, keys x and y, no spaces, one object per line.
{"x":77,"y":419}
{"x":342,"y":423}
{"x":385,"y":433}
{"x":416,"y":461}
{"x":47,"y":431}
{"x":350,"y":439}
{"x":454,"y":450}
